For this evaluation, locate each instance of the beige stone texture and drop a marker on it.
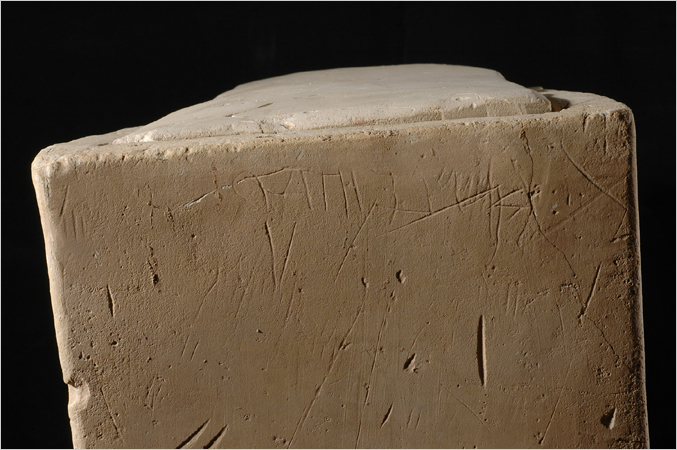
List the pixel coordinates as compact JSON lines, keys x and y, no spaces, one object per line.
{"x":409,"y":256}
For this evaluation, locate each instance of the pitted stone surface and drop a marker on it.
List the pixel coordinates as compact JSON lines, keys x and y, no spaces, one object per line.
{"x":406,"y":281}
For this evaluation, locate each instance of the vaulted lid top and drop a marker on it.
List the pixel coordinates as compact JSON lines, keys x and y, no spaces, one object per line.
{"x":349,"y":97}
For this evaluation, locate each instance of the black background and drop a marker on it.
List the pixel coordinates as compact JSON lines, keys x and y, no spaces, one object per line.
{"x":73,"y":70}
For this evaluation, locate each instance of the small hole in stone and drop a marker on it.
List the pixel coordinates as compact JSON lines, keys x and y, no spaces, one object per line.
{"x":400,"y":277}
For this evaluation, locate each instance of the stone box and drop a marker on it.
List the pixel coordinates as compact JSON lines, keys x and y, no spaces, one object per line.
{"x":408,"y":256}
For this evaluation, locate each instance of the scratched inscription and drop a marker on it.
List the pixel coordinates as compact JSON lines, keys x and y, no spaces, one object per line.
{"x":381,"y":295}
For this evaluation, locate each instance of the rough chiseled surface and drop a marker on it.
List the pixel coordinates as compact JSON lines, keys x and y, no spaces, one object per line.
{"x":447,"y":281}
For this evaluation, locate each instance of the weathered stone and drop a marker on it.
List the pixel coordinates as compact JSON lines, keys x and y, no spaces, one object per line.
{"x":410,"y":256}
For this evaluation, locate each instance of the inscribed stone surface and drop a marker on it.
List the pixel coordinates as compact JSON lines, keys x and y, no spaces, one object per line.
{"x":414,"y":256}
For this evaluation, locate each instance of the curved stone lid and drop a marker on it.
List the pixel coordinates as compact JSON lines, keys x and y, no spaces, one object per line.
{"x":349,"y":97}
